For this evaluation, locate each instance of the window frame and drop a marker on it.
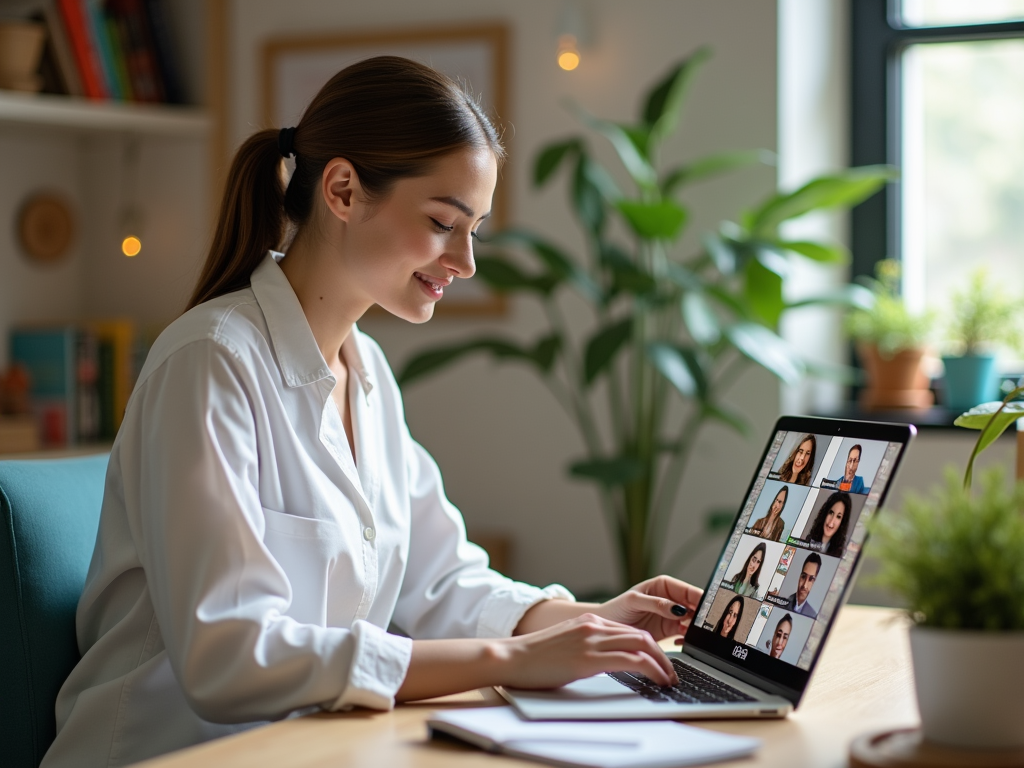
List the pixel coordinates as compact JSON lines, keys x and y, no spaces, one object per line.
{"x":877,"y":40}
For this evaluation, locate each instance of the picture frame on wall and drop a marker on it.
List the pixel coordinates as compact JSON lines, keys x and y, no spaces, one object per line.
{"x":296,"y":67}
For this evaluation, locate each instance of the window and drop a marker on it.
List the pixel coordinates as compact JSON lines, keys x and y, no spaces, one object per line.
{"x":938,"y":89}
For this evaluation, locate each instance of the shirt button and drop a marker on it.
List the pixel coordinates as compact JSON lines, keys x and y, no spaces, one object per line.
{"x":369,"y":533}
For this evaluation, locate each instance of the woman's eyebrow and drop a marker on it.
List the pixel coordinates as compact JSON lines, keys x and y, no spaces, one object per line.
{"x":456,"y":203}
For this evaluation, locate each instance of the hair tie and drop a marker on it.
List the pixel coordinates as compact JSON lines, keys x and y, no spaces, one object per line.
{"x":286,"y":142}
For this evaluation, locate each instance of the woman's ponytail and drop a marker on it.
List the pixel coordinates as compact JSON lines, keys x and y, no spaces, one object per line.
{"x":251,"y":220}
{"x":390,"y":117}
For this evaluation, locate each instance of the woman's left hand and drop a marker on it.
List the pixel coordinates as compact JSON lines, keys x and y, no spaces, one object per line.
{"x":649,"y":605}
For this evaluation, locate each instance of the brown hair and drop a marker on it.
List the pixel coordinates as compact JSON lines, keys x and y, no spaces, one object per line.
{"x":390,"y":117}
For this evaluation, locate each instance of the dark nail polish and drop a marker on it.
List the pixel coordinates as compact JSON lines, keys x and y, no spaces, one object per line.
{"x":678,"y":610}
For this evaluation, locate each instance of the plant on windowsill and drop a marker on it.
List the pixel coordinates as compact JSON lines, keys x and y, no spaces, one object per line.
{"x":957,"y":560}
{"x":890,"y":343}
{"x":664,"y":325}
{"x":982,"y":317}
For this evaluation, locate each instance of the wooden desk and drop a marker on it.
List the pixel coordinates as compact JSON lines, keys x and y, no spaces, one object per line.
{"x":863,"y":682}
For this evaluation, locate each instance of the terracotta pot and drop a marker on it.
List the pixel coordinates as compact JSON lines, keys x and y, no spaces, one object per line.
{"x":970,"y":687}
{"x":21,"y":47}
{"x":894,"y":382}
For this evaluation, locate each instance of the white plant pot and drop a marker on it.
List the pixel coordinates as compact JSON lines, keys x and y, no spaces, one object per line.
{"x":970,"y":687}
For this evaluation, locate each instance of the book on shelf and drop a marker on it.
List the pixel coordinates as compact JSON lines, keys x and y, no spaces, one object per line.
{"x":81,"y":376}
{"x":110,"y":49}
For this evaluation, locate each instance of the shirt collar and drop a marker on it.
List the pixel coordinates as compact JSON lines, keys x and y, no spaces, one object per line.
{"x":297,"y":351}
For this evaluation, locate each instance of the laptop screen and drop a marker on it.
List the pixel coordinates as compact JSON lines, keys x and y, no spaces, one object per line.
{"x":784,"y":571}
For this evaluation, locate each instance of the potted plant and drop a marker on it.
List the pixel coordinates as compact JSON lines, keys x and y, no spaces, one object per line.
{"x":664,"y":324}
{"x":981,"y":317}
{"x":957,"y":560}
{"x":890,"y":343}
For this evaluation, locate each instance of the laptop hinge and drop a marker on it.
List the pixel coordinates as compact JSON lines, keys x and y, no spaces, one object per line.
{"x":741,"y":674}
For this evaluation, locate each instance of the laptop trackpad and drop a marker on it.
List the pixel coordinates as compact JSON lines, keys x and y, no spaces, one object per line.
{"x":596,"y":687}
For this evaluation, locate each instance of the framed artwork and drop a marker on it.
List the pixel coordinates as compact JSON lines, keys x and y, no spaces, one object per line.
{"x":295,"y":68}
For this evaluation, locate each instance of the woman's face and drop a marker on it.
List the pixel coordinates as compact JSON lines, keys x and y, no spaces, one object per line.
{"x":780,"y":638}
{"x":755,"y":563}
{"x":801,"y":457}
{"x":834,"y":519}
{"x":402,"y":251}
{"x":732,"y":613}
{"x":776,"y":508}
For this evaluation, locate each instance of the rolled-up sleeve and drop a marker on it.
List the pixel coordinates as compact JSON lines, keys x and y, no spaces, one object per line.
{"x":449,"y":590}
{"x":191,"y":490}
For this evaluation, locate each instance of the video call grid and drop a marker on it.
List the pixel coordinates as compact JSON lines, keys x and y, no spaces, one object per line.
{"x":861,"y":469}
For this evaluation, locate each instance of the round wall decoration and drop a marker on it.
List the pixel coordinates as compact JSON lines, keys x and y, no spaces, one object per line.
{"x":46,"y":228}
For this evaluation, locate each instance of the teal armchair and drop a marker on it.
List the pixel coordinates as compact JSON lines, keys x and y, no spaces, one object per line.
{"x":49,"y":514}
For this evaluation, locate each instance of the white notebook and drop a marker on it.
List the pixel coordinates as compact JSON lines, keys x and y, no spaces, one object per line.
{"x":637,"y":744}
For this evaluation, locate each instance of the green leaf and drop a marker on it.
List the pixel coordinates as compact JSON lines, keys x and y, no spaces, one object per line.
{"x":840,"y":190}
{"x":721,"y":252}
{"x":542,"y":354}
{"x":767,"y":349}
{"x":665,"y":100}
{"x":719,"y":520}
{"x":560,"y":265}
{"x":680,"y":366}
{"x":635,"y":161}
{"x":700,"y":319}
{"x":546,"y":350}
{"x":984,"y":417}
{"x":728,"y":417}
{"x":502,"y":275}
{"x":850,"y":295}
{"x":827,"y":254}
{"x":713,"y":165}
{"x":618,"y":471}
{"x":626,"y":275}
{"x":763,"y":292}
{"x":603,"y":346}
{"x":663,"y":220}
{"x":550,"y":158}
{"x":587,"y":198}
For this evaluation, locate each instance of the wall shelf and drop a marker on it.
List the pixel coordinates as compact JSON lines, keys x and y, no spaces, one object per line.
{"x":83,"y":115}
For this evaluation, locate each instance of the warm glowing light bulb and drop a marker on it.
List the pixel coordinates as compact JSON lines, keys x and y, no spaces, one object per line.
{"x":568,"y":60}
{"x":568,"y":54}
{"x":131,"y":246}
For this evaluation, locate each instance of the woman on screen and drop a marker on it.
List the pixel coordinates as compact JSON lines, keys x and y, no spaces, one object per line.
{"x":831,"y":524}
{"x":745,"y":582}
{"x":771,"y":525}
{"x":798,"y":467}
{"x":780,"y":638}
{"x":726,"y":626}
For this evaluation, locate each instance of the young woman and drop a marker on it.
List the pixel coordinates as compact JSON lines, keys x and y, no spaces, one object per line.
{"x":730,"y":619}
{"x":771,"y":525}
{"x":798,"y":466}
{"x":746,"y":581}
{"x":267,"y":515}
{"x":831,"y":524}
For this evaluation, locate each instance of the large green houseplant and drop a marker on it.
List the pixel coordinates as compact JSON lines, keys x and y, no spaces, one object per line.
{"x":665,"y":324}
{"x":957,"y":561}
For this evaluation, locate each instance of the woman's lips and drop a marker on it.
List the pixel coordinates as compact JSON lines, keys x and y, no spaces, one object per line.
{"x":434,"y":286}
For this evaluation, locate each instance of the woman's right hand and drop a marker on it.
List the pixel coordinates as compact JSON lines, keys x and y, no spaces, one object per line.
{"x":582,"y":647}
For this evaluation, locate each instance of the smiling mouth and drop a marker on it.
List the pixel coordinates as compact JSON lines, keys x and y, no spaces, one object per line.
{"x":436,"y":285}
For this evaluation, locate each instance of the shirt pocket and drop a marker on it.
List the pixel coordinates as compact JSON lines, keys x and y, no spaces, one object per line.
{"x":314,"y":555}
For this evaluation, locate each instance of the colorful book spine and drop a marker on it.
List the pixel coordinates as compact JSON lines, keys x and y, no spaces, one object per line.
{"x":117,"y":343}
{"x":59,"y":42}
{"x":94,"y":17}
{"x":118,"y":52}
{"x":86,"y":56}
{"x":49,"y":355}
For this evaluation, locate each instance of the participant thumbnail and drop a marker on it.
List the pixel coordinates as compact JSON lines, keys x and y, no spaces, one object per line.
{"x":783,"y":634}
{"x":752,"y":566}
{"x":806,"y":583}
{"x":775,"y":510}
{"x":855,"y":466}
{"x":731,"y":615}
{"x":799,"y":458}
{"x":829,"y":528}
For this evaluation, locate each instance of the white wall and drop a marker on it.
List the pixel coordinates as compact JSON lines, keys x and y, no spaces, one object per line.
{"x":501,"y":441}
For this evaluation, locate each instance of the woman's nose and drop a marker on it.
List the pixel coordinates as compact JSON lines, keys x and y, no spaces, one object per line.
{"x":458,"y":259}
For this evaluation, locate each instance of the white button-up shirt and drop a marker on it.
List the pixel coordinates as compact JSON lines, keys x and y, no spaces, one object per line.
{"x":246,"y":568}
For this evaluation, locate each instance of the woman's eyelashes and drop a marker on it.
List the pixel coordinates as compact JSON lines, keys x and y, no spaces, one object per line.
{"x":444,"y":228}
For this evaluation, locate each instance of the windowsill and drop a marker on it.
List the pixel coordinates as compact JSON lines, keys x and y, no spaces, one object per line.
{"x":936,"y":418}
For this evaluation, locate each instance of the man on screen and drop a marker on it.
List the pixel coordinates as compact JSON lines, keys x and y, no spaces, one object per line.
{"x":851,"y":482}
{"x":797,"y":602}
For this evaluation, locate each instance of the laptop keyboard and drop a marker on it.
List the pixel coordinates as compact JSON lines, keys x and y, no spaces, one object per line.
{"x":694,"y":687}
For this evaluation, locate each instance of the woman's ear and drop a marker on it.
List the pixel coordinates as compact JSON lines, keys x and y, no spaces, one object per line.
{"x":340,"y":188}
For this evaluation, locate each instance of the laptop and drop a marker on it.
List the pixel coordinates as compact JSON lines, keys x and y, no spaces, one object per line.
{"x":782,"y":576}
